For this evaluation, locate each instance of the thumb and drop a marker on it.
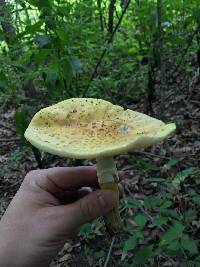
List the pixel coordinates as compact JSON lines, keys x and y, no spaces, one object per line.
{"x":90,"y":207}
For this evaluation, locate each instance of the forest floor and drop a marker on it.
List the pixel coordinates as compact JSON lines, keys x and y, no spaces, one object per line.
{"x":182,"y":107}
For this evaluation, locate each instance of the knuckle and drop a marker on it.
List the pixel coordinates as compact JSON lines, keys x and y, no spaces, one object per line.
{"x":31,"y":174}
{"x":31,"y":177}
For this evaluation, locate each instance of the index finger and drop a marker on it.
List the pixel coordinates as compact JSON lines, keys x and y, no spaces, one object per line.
{"x":72,"y":178}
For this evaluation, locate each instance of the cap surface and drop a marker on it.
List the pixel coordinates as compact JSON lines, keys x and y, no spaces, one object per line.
{"x":89,"y":128}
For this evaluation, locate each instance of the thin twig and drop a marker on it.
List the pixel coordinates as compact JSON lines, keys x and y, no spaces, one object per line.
{"x":107,"y":42}
{"x":9,"y":139}
{"x":143,"y":210}
{"x":184,"y":53}
{"x":109,"y":252}
{"x":4,"y":126}
{"x":195,"y":102}
{"x":151,"y":154}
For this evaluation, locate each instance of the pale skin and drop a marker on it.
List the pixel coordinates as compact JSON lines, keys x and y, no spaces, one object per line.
{"x":47,"y":210}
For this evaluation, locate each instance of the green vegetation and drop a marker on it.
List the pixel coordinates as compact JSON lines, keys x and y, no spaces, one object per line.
{"x":143,"y":55}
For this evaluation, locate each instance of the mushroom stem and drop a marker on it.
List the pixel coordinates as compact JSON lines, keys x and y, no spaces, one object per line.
{"x":108,"y":180}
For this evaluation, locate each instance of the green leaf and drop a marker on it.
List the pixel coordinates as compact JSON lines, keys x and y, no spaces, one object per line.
{"x":172,"y":162}
{"x":182,"y":175}
{"x":21,"y":122}
{"x":160,"y":221}
{"x":152,"y":202}
{"x":165,"y":205}
{"x":156,"y":180}
{"x":99,"y":254}
{"x":196,"y":200}
{"x":42,"y":40}
{"x":143,"y":255}
{"x":192,"y":263}
{"x":190,"y":215}
{"x":52,"y":75}
{"x":133,"y":203}
{"x":3,"y":80}
{"x":197,"y":259}
{"x":191,"y":192}
{"x":174,"y":246}
{"x":189,"y":244}
{"x":130,"y":243}
{"x":34,"y":28}
{"x":75,"y":64}
{"x":41,"y":55}
{"x":63,"y":35}
{"x":67,"y":70}
{"x":146,"y":164}
{"x":85,"y":229}
{"x":173,"y":213}
{"x":140,"y":219}
{"x":172,"y":234}
{"x":39,"y":3}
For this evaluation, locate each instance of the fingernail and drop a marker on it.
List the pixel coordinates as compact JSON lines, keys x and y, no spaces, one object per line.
{"x":107,"y":199}
{"x":102,"y":201}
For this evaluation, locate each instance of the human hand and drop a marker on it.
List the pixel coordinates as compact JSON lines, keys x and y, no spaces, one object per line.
{"x":46,"y":211}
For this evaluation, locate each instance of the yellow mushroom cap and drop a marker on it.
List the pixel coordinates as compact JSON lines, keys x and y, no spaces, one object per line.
{"x":90,"y":128}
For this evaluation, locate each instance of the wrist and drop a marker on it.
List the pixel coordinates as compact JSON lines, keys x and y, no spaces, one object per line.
{"x":17,"y":250}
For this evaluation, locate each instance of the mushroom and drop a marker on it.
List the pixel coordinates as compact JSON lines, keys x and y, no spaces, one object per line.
{"x":86,"y":128}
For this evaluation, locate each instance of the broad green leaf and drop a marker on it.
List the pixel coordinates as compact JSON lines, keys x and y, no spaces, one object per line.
{"x":174,"y":246}
{"x":191,"y":192}
{"x":147,"y":164}
{"x":85,"y":229}
{"x":196,"y":200}
{"x":165,"y":205}
{"x":67,"y":70}
{"x":182,"y":175}
{"x":197,"y":259}
{"x":21,"y":121}
{"x":39,"y":3}
{"x":156,"y":180}
{"x":139,"y":234}
{"x":143,"y":255}
{"x":75,"y":64}
{"x":160,"y":220}
{"x":152,"y":202}
{"x":173,"y":214}
{"x":189,"y":244}
{"x":190,"y":215}
{"x":42,"y":40}
{"x":99,"y":254}
{"x":41,"y":55}
{"x":173,"y":233}
{"x":133,"y":203}
{"x":172,"y":162}
{"x":34,"y":28}
{"x":63,"y":35}
{"x":52,"y":75}
{"x":130,"y":243}
{"x":140,"y":219}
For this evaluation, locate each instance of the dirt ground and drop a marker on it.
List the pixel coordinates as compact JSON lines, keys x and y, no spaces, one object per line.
{"x":182,"y":106}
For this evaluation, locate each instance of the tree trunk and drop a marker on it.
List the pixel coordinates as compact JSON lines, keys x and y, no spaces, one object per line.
{"x":6,"y":24}
{"x":150,"y":88}
{"x":111,"y":16}
{"x":123,"y":4}
{"x":198,"y":42}
{"x":161,"y":63}
{"x":100,"y":15}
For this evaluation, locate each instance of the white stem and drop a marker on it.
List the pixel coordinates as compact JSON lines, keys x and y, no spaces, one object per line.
{"x":106,"y":170}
